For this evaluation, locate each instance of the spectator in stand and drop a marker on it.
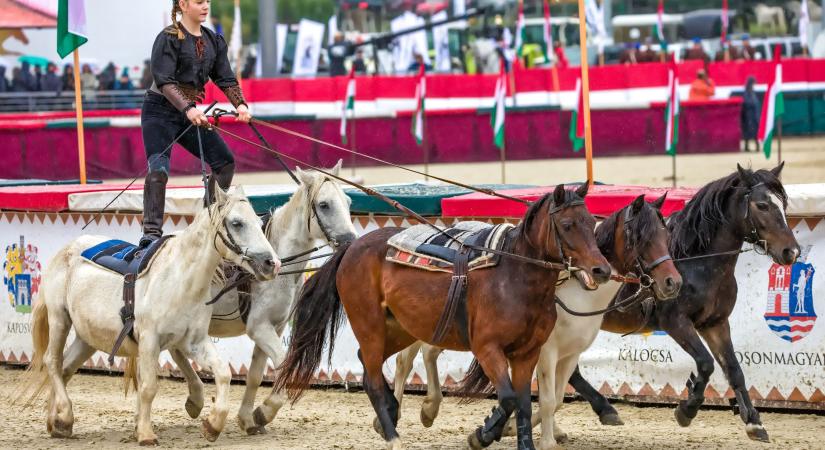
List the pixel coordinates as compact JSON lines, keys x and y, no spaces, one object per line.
{"x":38,"y":78}
{"x":107,"y":77}
{"x":51,"y":81}
{"x":216,"y":25}
{"x":124,"y":83}
{"x":18,"y":84}
{"x":648,"y":54}
{"x":29,"y":81}
{"x":358,"y":63}
{"x":630,"y":55}
{"x":749,"y":118}
{"x":697,"y":52}
{"x":338,"y":53}
{"x":561,"y":58}
{"x":748,"y":53}
{"x":4,"y":83}
{"x":702,"y":88}
{"x":146,"y":78}
{"x":88,"y":80}
{"x":68,"y":77}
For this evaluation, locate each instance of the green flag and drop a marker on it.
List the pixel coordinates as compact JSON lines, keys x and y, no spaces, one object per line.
{"x":71,"y":26}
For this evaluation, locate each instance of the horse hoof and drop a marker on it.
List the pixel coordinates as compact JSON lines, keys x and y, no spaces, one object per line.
{"x":426,"y":420}
{"x":562,"y":438}
{"x":611,"y":419}
{"x":259,"y":429}
{"x":259,"y":418}
{"x":208,"y":431}
{"x":682,"y":419}
{"x":473,"y":443}
{"x":395,"y":444}
{"x":192,"y":409}
{"x":153,"y":442}
{"x":60,"y":429}
{"x":376,"y":425}
{"x":757,"y":432}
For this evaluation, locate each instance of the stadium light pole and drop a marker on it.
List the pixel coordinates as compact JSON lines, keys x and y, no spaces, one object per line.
{"x":267,"y":37}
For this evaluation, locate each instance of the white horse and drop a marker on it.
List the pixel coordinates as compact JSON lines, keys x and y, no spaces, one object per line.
{"x":632,"y":239}
{"x":318,"y":211}
{"x":169,"y":310}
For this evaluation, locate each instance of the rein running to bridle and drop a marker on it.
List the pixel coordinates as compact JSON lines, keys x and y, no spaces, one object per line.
{"x":395,"y":204}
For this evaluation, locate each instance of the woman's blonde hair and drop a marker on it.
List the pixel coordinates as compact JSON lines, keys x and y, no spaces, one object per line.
{"x":175,"y":10}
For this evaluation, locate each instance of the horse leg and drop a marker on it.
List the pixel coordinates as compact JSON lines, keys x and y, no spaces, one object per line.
{"x":194,"y":402}
{"x":601,"y":406}
{"x":79,"y":351}
{"x":403,"y":366}
{"x":379,"y":393}
{"x":254,"y":377}
{"x":148,"y":352}
{"x":269,"y":341}
{"x":207,"y":357}
{"x":546,"y":374}
{"x":60,"y":417}
{"x":522,"y":376}
{"x":718,"y":339}
{"x":684,"y":333}
{"x":564,"y":368}
{"x":495,"y":366}
{"x":432,"y":402}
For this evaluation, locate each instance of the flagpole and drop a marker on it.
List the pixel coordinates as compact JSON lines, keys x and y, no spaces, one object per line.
{"x":588,"y":144}
{"x":779,"y":135}
{"x":673,"y":163}
{"x":424,"y":144}
{"x":78,"y":99}
{"x":504,"y":155}
{"x":238,"y":65}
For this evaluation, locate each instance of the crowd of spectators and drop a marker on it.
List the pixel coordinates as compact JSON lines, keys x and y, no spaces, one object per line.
{"x":29,"y":78}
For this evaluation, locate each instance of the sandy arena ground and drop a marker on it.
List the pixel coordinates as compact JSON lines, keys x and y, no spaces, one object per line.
{"x":804,"y":157}
{"x":340,"y":420}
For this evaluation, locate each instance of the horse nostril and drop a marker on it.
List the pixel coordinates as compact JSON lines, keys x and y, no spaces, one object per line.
{"x":790,"y":255}
{"x":272,"y":264}
{"x":601,"y":272}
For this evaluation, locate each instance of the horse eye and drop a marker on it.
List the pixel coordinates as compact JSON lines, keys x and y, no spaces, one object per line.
{"x":323,"y":205}
{"x":567,"y":226}
{"x":762,"y":206}
{"x":237,"y":224}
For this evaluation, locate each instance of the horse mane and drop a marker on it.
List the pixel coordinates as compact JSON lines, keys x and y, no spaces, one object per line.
{"x":298,"y":197}
{"x":637,"y":234}
{"x":533,"y":211}
{"x":692,"y":229}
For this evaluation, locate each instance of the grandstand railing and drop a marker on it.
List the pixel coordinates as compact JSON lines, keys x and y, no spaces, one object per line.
{"x":64,"y":101}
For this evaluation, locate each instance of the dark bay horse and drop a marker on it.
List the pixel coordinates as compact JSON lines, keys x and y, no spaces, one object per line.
{"x":510,"y":310}
{"x":746,"y":206}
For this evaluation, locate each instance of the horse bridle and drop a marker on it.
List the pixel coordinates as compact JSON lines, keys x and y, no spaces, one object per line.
{"x":753,"y":237}
{"x":560,"y":241}
{"x":227,"y":239}
{"x":314,"y":211}
{"x":645,"y":269}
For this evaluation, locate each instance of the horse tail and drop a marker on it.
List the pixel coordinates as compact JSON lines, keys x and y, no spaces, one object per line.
{"x":130,"y":375}
{"x":36,"y":377}
{"x":316,"y":317}
{"x":475,"y":384}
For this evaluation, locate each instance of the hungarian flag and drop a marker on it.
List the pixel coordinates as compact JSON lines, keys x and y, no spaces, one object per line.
{"x":236,"y":40}
{"x":418,"y":117}
{"x":349,"y":104}
{"x":547,"y":42}
{"x":577,"y":120}
{"x":520,"y":30}
{"x":659,"y":29}
{"x":497,"y":119}
{"x":724,"y":32}
{"x":71,"y":26}
{"x":772,"y":107}
{"x":672,"y":113}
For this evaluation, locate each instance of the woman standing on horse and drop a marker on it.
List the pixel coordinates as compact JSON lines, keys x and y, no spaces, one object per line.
{"x":184,"y":57}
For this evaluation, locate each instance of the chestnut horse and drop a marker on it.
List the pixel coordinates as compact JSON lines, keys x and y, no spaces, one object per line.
{"x":746,"y":206}
{"x":510,"y":310}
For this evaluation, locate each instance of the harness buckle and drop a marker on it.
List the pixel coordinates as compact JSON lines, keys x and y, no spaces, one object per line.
{"x":760,"y":247}
{"x":646,"y":281}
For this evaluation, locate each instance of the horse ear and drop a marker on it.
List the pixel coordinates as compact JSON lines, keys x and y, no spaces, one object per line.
{"x":304,"y":177}
{"x":239,"y":191}
{"x":745,"y":175}
{"x":559,"y":195}
{"x":778,"y":169}
{"x":336,"y":170}
{"x":637,"y":204}
{"x":582,"y":190}
{"x":659,"y":202}
{"x":220,"y":195}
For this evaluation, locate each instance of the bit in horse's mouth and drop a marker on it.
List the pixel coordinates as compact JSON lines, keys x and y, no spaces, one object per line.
{"x":586,"y":280}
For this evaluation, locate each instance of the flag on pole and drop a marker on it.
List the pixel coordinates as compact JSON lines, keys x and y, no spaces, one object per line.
{"x":499,"y":107}
{"x":547,"y":42}
{"x":577,"y":120}
{"x":804,"y":20}
{"x":672,"y":112}
{"x":71,"y":26}
{"x":236,"y":40}
{"x":723,"y":39}
{"x":520,"y":30}
{"x":659,"y":29}
{"x":349,"y":104}
{"x":772,"y":107}
{"x":418,"y":117}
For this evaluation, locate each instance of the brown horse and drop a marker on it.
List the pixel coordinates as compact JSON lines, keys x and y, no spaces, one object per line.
{"x":510,"y":310}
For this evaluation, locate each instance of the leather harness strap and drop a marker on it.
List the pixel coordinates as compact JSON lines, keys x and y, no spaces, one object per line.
{"x":127,"y":315}
{"x":455,"y":310}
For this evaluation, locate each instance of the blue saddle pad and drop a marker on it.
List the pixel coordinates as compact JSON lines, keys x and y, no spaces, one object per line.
{"x":122,"y":257}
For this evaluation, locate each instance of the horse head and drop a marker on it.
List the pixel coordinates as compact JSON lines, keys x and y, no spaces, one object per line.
{"x":762,"y":214}
{"x":328,"y":209}
{"x":638,"y":243}
{"x":238,"y":236}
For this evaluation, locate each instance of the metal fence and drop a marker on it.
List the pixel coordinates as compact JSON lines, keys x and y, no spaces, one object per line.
{"x":65,"y":101}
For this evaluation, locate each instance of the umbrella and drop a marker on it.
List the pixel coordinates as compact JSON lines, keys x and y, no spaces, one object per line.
{"x":34,"y":60}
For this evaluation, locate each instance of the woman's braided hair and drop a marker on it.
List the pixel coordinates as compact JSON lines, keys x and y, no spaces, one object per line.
{"x":175,"y":10}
